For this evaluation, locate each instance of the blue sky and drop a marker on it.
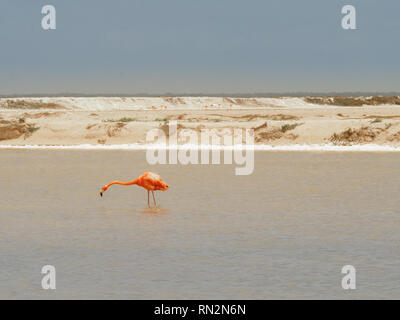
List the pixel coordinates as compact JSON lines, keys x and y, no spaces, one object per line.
{"x":208,"y":46}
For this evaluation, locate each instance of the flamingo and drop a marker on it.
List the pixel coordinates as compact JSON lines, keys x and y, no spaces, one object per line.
{"x":148,"y":180}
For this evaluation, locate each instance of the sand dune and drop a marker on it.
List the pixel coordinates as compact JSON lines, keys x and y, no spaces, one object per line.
{"x":146,"y":103}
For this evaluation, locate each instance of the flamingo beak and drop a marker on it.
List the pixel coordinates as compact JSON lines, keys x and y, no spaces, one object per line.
{"x":101,"y":193}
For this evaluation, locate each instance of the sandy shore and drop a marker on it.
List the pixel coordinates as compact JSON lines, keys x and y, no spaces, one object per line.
{"x":283,"y":123}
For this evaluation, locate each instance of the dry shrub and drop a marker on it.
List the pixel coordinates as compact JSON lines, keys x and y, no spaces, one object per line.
{"x":174,"y":100}
{"x":381,"y":117}
{"x":273,"y":134}
{"x":42,"y":114}
{"x":14,"y":129}
{"x":250,"y":117}
{"x":380,"y":100}
{"x":263,"y":135}
{"x":287,"y":127}
{"x":25,"y":104}
{"x":354,"y":101}
{"x":394,"y":137}
{"x":354,"y":136}
{"x":249,"y":102}
{"x":123,"y":119}
{"x":228,"y":100}
{"x":280,"y":116}
{"x":115,"y":129}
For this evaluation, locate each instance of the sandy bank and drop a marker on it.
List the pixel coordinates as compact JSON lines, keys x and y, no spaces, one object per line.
{"x":58,"y":124}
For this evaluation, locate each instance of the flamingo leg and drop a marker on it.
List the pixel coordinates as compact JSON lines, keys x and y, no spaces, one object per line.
{"x":154,"y":199}
{"x":148,"y":198}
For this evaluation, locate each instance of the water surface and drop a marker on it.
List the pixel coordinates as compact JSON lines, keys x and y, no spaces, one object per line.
{"x":283,"y":232}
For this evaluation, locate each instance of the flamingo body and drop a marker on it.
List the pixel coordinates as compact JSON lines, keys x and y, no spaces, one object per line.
{"x":151,"y":182}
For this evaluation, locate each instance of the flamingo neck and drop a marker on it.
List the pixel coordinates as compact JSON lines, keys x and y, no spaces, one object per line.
{"x":128,"y":183}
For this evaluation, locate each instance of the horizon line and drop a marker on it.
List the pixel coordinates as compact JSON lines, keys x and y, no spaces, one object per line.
{"x":235,"y":95}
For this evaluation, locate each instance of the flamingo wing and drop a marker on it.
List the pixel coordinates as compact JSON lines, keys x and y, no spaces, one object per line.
{"x":150,"y":181}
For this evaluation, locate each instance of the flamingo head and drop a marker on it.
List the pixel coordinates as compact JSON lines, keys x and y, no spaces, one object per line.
{"x":103,"y":189}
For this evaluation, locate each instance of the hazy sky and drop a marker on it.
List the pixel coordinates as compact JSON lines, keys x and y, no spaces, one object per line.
{"x":198,"y":46}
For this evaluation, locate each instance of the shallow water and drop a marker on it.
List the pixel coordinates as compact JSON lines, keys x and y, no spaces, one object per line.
{"x":283,"y":232}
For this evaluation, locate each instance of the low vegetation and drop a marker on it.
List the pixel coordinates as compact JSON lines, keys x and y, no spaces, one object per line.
{"x":262,"y":134}
{"x":287,"y":127}
{"x":24,"y":104}
{"x":174,"y":100}
{"x":32,"y":128}
{"x":124,"y":119}
{"x":355,"y":136}
{"x":354,"y":101}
